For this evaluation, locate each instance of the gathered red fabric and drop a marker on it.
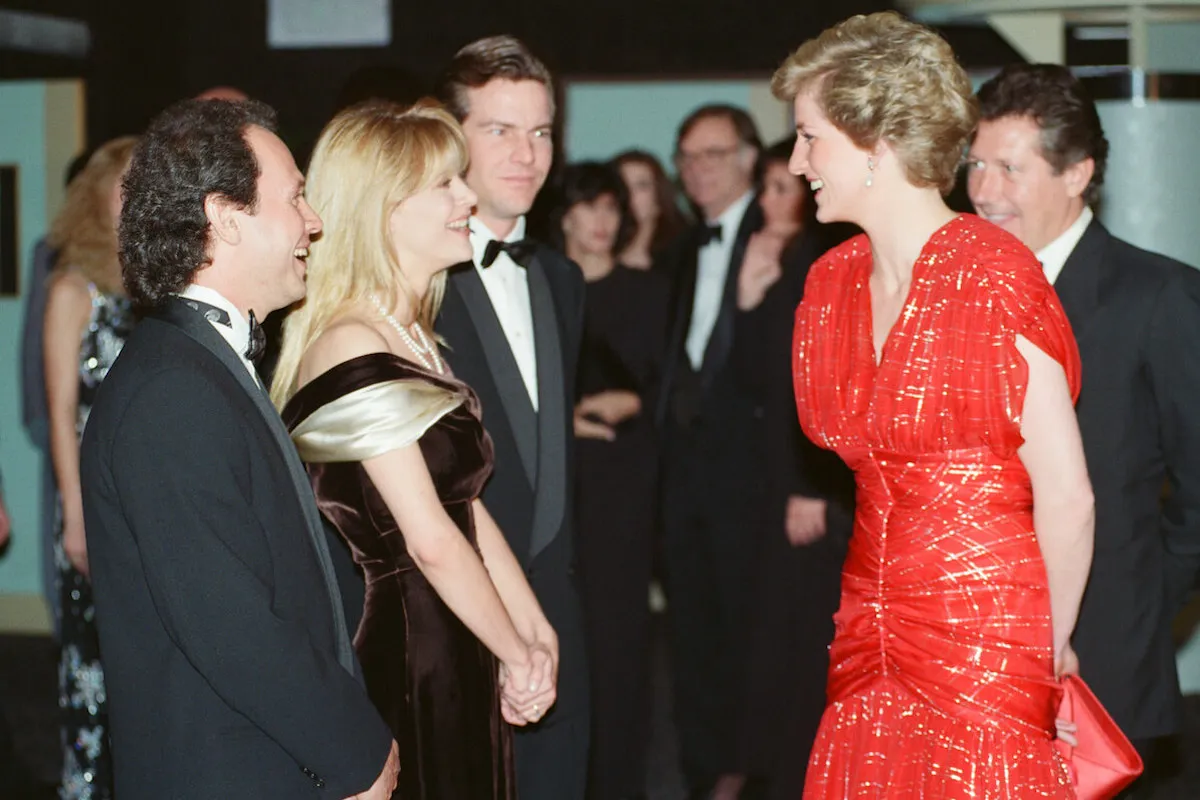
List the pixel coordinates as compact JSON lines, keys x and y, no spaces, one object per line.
{"x":941,"y":677}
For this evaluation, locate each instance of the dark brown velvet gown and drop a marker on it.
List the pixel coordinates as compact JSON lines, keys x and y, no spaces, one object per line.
{"x":432,"y":680}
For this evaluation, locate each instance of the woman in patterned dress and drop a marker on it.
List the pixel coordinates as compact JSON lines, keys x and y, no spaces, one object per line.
{"x":88,"y":319}
{"x":932,"y":355}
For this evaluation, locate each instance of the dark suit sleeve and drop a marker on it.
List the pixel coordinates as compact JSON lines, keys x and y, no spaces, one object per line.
{"x":576,"y":309}
{"x":202,"y":545}
{"x":1174,"y":368}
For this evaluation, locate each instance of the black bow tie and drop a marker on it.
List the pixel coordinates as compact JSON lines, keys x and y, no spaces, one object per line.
{"x":519,"y":251}
{"x":709,"y":234}
{"x":258,"y":338}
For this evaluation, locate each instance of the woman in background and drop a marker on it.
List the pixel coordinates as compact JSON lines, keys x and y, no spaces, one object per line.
{"x":88,"y":317}
{"x":933,"y":356}
{"x":452,"y":642}
{"x":653,"y":202}
{"x":623,"y":342}
{"x":807,"y":514}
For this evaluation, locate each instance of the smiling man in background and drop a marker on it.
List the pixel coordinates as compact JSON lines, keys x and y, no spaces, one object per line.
{"x":1036,"y":166}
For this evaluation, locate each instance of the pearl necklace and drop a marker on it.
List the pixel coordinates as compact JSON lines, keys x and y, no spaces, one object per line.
{"x":419,"y":350}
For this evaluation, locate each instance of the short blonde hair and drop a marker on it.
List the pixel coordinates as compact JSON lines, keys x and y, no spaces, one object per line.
{"x":882,"y":77}
{"x":84,"y":232}
{"x":369,"y":159}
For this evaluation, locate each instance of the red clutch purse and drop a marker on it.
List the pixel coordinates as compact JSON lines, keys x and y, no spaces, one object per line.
{"x":1105,"y":762}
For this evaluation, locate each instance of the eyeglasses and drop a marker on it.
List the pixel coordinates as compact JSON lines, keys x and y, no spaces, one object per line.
{"x":709,"y":157}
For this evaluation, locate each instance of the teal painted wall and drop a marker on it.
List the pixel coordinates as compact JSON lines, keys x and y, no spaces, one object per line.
{"x":22,"y":142}
{"x":602,"y":118}
{"x":1171,"y":47}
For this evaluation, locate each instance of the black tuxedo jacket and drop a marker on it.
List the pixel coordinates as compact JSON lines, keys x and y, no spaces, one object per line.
{"x":228,"y":665}
{"x":1136,"y":317}
{"x":716,"y":400}
{"x":530,"y":491}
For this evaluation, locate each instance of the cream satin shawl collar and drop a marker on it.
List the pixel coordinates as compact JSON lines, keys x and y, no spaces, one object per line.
{"x":373,"y":420}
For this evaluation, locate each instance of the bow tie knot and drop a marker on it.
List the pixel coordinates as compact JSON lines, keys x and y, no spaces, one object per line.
{"x":710,"y":234}
{"x":519,"y":251}
{"x":257,"y":343}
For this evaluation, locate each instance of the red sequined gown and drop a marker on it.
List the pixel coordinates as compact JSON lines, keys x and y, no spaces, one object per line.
{"x":941,"y":672}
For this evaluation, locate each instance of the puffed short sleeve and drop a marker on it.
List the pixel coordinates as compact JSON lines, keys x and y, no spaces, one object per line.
{"x":1023,"y":303}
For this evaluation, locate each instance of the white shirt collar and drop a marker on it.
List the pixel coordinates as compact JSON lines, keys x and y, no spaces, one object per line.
{"x":1054,"y":255}
{"x":731,"y":218}
{"x":237,"y":333}
{"x":481,"y":234}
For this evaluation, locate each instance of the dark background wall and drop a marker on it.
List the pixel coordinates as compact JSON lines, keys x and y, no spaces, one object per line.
{"x":148,"y":53}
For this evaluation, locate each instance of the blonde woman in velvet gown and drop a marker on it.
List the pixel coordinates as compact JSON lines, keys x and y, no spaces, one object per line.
{"x":932,"y":355}
{"x":453,"y":644}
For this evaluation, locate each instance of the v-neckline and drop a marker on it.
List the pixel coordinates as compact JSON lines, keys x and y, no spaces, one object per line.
{"x":877,"y":358}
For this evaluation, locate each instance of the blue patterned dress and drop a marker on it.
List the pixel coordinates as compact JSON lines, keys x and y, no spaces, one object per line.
{"x":87,"y":765}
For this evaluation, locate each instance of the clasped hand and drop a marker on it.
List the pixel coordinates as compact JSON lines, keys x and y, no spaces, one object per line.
{"x":529,"y":689}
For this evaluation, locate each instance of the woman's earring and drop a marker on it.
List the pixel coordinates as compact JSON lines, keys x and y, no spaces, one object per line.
{"x":870,"y":171}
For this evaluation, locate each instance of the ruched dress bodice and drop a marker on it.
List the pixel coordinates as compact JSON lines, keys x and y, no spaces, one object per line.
{"x":941,"y":671}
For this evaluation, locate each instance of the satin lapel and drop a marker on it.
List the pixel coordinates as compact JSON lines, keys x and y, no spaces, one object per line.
{"x":550,"y":500}
{"x":195,"y":326}
{"x":1078,"y":285}
{"x":681,"y":319}
{"x":521,"y":417}
{"x":721,"y":340}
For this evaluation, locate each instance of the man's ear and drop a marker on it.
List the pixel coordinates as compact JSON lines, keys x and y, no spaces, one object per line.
{"x":1078,"y":176}
{"x":224,"y":217}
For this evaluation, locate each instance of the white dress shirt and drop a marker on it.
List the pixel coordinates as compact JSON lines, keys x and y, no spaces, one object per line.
{"x":507,"y":286}
{"x":237,"y":334}
{"x":712,"y":269}
{"x":1054,"y":255}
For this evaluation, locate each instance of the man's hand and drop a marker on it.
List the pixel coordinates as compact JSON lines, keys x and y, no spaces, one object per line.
{"x":804,"y":520}
{"x":5,"y":524}
{"x":385,"y":784}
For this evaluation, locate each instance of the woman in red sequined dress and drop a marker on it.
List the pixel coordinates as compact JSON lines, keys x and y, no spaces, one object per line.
{"x":932,"y":355}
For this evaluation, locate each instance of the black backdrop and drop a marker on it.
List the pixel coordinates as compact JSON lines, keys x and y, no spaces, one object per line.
{"x":147,"y":53}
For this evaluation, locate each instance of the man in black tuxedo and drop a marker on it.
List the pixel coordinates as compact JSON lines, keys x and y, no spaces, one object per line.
{"x":1035,"y":166}
{"x":712,"y":434}
{"x":228,"y":665}
{"x":512,"y":321}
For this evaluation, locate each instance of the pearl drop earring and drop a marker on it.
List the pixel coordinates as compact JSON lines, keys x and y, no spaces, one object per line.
{"x":870,"y":171}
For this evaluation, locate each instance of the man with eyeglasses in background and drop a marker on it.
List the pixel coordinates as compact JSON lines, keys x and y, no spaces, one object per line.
{"x":709,"y":422}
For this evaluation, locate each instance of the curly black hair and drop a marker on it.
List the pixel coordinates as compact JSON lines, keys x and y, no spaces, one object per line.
{"x":193,"y":149}
{"x":1057,"y":101}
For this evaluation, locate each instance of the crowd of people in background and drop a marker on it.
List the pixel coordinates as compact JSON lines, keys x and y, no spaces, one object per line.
{"x":502,"y":423}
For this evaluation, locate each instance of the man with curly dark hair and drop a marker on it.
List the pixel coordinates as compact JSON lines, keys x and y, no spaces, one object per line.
{"x":229,"y":664}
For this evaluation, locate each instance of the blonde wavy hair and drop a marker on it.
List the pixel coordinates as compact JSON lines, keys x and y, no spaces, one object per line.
{"x":369,"y":159}
{"x":84,"y":232}
{"x":881,"y":77}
